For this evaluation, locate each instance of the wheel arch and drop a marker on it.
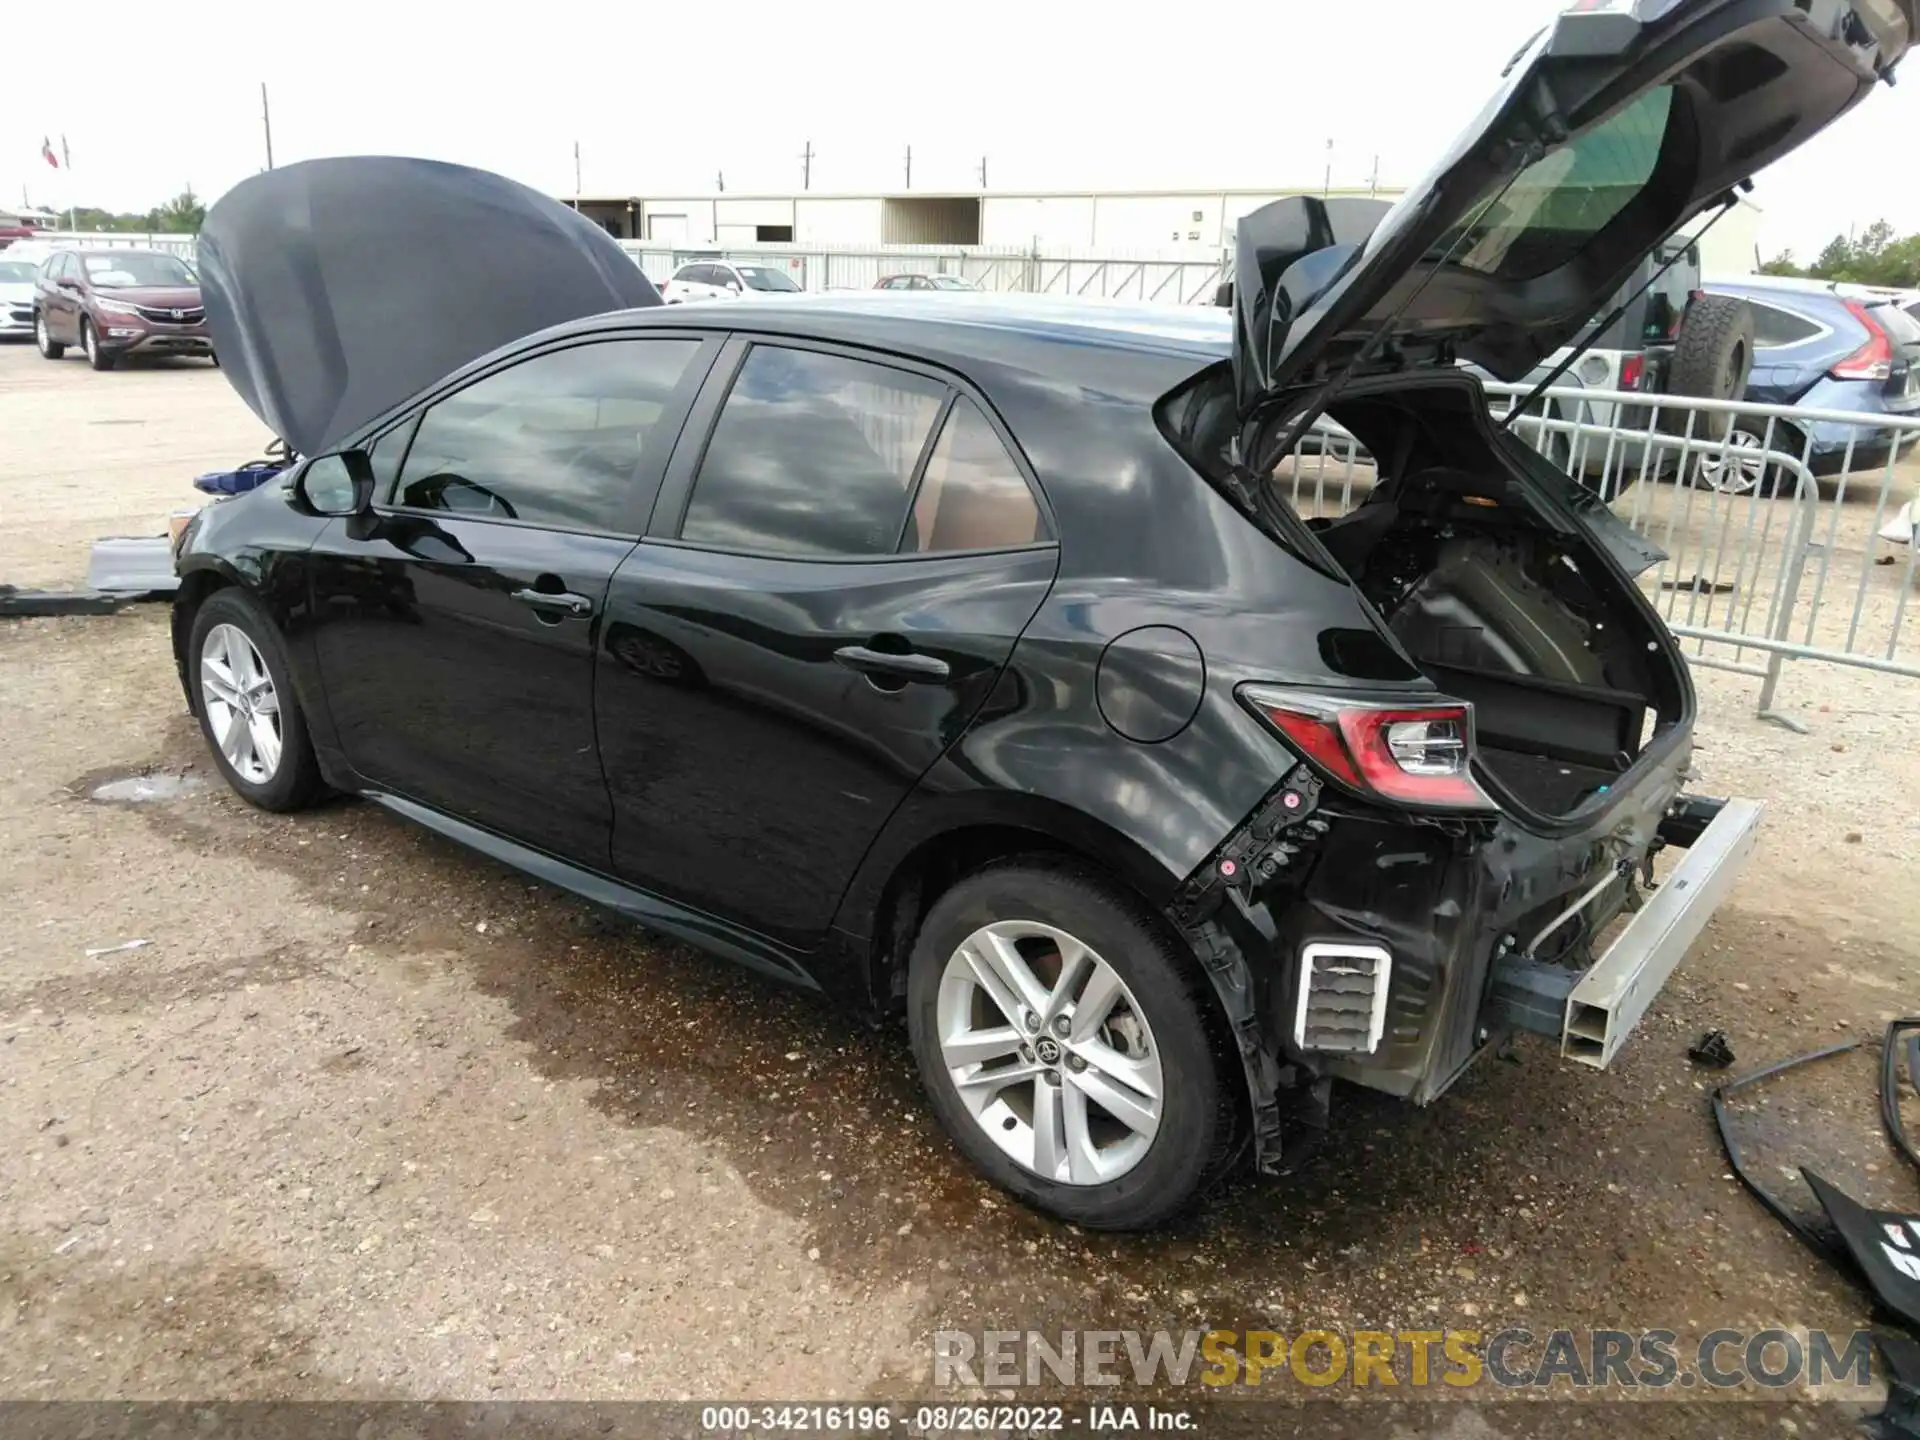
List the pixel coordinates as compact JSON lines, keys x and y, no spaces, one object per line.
{"x":923,"y":852}
{"x":196,"y":585}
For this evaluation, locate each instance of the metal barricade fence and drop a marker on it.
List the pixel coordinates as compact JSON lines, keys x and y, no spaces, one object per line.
{"x":1777,"y":547}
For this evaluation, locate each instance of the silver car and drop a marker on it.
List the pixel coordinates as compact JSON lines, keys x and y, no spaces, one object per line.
{"x":16,"y":295}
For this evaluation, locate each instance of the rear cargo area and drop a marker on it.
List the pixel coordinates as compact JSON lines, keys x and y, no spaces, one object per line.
{"x":1568,"y":673}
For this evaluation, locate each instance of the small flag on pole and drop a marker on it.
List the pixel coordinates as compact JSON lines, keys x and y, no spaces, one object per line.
{"x":46,"y":151}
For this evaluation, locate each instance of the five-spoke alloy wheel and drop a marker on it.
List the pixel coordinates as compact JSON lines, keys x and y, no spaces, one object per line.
{"x":1069,"y":1044}
{"x":238,"y":672}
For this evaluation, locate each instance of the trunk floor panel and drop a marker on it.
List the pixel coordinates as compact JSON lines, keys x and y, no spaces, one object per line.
{"x":1553,"y":787}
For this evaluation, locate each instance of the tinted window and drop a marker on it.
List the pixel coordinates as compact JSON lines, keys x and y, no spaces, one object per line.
{"x":557,"y":440}
{"x":812,"y":455}
{"x":972,"y":496}
{"x":689,"y":272}
{"x":1773,"y":327}
{"x":1560,"y":202}
{"x":386,"y":453}
{"x":759,"y":277}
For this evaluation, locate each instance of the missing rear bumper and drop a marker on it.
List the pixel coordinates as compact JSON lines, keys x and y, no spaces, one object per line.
{"x":1594,"y":1012}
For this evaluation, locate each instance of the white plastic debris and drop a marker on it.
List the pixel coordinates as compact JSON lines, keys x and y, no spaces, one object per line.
{"x":116,"y":949}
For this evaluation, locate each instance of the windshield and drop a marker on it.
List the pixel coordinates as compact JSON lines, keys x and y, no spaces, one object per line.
{"x":952,"y":282}
{"x":17,"y":272}
{"x":758,"y":277}
{"x":1559,"y":203}
{"x":125,"y":269}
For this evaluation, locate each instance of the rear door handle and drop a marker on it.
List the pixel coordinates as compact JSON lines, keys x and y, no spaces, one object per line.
{"x":564,"y":601}
{"x":927,"y":669}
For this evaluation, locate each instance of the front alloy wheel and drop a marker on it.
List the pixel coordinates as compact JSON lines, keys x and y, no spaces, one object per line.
{"x":241,"y":704}
{"x":246,"y":705}
{"x":1049,"y":1052}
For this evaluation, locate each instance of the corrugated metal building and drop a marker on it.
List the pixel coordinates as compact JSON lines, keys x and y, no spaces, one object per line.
{"x":1104,"y":219}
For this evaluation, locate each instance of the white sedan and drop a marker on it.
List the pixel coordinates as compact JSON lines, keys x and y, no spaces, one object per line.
{"x":725,"y":280}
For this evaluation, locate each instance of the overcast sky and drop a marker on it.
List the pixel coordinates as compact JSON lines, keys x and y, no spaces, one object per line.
{"x":661,"y":99}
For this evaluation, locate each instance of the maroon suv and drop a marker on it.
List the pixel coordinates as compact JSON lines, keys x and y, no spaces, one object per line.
{"x":119,"y":302}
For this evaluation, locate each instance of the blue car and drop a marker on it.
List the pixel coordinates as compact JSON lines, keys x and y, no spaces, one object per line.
{"x":1820,"y":346}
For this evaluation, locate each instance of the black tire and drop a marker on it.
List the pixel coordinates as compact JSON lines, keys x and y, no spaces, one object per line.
{"x":98,"y":356}
{"x":1197,"y":1131}
{"x":295,"y":782}
{"x":1712,"y":358}
{"x":49,"y":348}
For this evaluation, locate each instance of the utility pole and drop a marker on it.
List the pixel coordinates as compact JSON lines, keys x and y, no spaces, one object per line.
{"x":1326,"y":187}
{"x":909,"y":167}
{"x":1373,"y":185}
{"x":720,"y":181}
{"x":806,"y":167}
{"x":576,"y":169}
{"x":983,"y":172}
{"x":266,"y":123}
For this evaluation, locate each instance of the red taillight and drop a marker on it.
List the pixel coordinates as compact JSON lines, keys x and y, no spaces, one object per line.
{"x":1413,"y":755}
{"x":1632,"y":367}
{"x":1873,"y":360}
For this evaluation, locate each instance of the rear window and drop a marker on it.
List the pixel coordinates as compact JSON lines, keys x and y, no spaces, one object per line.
{"x":1774,"y":327}
{"x":1560,"y":202}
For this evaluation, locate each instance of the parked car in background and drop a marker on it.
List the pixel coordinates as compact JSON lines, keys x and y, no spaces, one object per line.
{"x":726,"y":280}
{"x":16,"y":295}
{"x":925,"y":282}
{"x":1673,"y":338}
{"x":115,"y":303}
{"x":1819,"y":345}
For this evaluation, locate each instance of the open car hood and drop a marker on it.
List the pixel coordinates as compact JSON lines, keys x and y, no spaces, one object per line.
{"x":1612,"y":129}
{"x":336,"y":289}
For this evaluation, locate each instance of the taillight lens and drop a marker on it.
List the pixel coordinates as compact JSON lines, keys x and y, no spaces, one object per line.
{"x":1632,"y":367}
{"x":1873,"y":360}
{"x":1410,"y":754}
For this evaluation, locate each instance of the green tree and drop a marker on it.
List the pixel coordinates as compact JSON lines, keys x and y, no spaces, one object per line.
{"x":182,"y":215}
{"x":1781,"y":264}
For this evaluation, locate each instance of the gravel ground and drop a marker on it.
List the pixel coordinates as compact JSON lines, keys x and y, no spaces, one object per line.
{"x":370,"y":1116}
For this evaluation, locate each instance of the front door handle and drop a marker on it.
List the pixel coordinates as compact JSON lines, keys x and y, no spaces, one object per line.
{"x":927,"y":669}
{"x":564,"y":601}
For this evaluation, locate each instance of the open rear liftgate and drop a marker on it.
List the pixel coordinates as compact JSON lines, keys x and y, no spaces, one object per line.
{"x":1593,"y":1012}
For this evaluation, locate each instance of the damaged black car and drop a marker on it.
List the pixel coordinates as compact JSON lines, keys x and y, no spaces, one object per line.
{"x":964,"y":661}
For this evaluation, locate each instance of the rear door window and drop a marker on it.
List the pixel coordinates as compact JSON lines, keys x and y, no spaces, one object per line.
{"x":813,"y":455}
{"x":972,"y":497}
{"x":1774,"y":327}
{"x":565,"y":440}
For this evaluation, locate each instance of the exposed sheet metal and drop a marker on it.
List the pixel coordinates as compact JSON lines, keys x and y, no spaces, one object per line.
{"x":133,"y":567}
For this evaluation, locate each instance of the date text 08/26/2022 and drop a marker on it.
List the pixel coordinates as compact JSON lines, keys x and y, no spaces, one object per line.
{"x":981,"y":1418}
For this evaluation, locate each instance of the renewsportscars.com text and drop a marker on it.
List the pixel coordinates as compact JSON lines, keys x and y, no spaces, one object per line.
{"x":1511,"y":1358}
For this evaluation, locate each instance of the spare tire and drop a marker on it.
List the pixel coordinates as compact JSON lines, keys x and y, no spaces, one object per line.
{"x":1712,"y":358}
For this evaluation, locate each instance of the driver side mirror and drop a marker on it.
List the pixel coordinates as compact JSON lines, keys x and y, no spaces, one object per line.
{"x":340,"y":484}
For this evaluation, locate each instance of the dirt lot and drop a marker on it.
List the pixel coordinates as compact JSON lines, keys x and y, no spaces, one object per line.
{"x":368,"y":1116}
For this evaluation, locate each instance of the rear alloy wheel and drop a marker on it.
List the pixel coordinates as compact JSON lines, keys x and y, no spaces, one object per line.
{"x":97,"y":357}
{"x":1062,"y":1038}
{"x":1743,"y":468}
{"x":49,"y":347}
{"x":247,"y":707}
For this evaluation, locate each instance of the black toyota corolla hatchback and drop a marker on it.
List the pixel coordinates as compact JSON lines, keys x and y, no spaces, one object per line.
{"x":965,"y":661}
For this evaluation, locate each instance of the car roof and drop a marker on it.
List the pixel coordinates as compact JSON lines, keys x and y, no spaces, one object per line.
{"x":978,"y":325}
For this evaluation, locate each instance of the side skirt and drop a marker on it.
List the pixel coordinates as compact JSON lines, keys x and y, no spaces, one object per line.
{"x":716,"y":937}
